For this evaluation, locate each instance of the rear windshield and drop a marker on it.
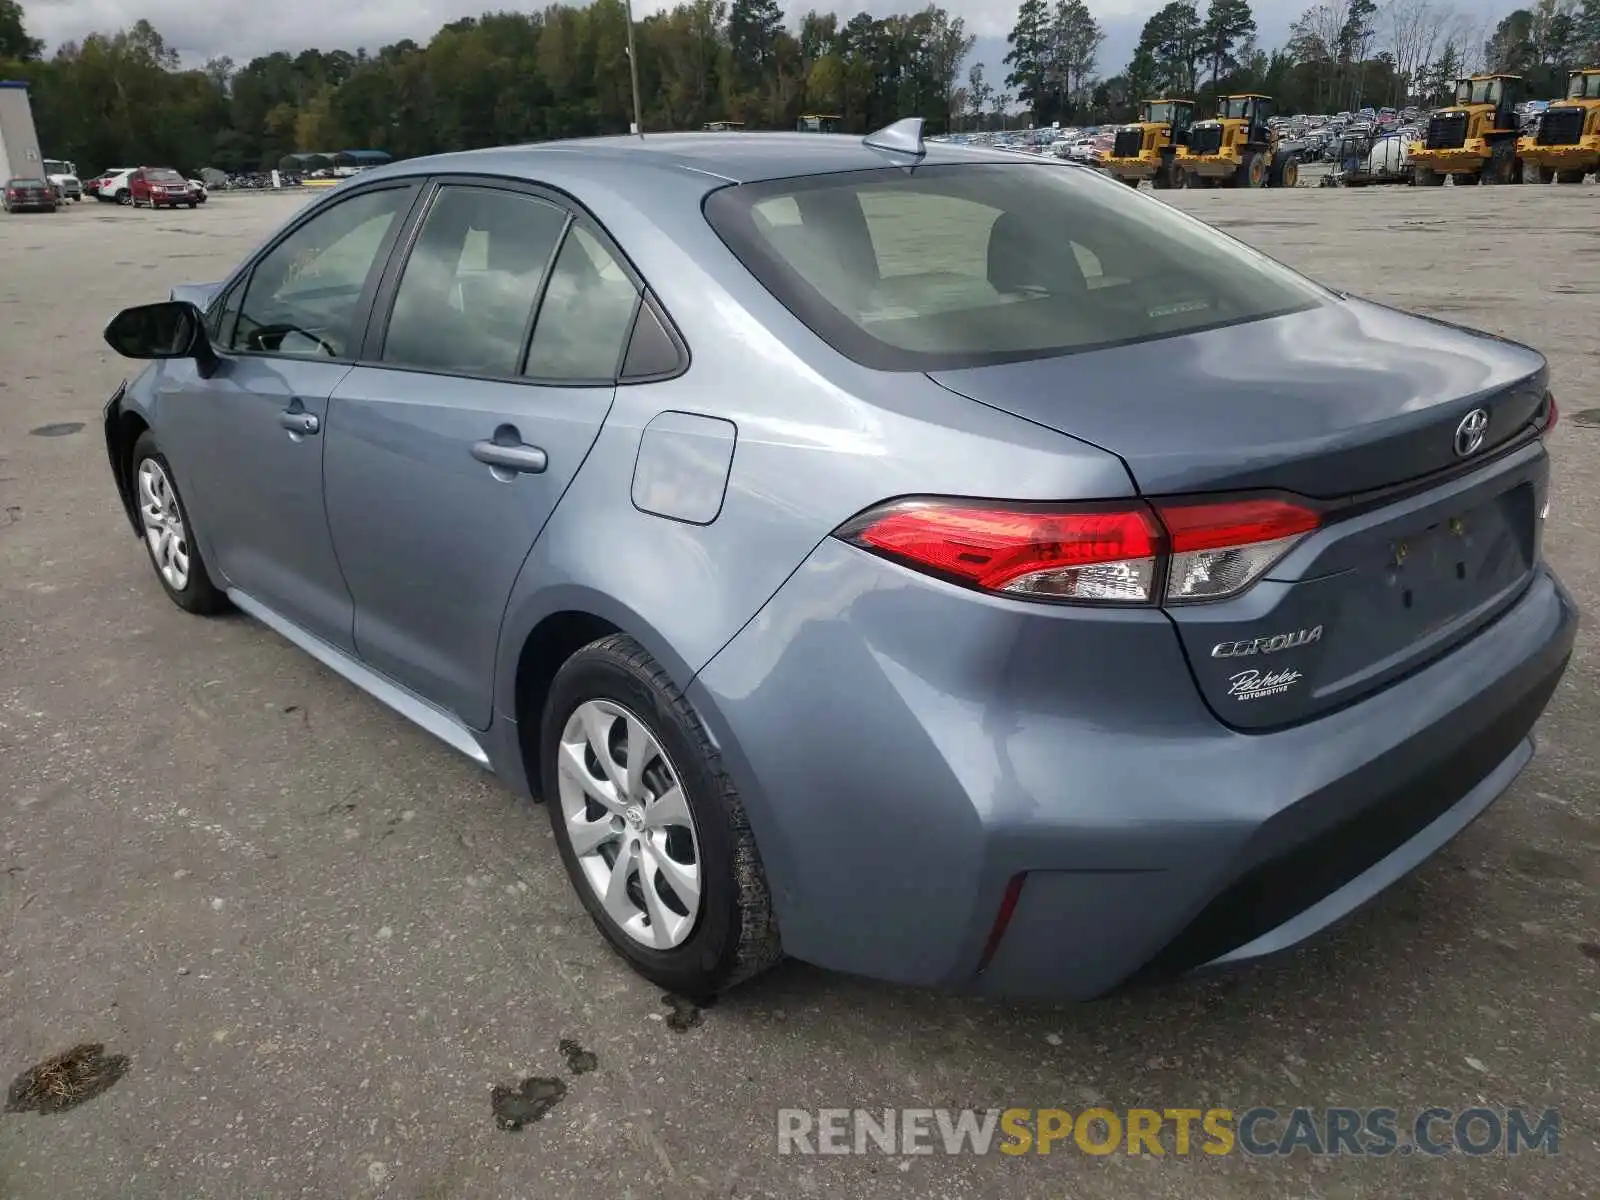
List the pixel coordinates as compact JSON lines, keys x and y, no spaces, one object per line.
{"x":27,"y":183}
{"x":955,"y":266}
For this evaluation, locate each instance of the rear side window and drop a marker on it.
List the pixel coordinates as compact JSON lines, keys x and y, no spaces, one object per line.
{"x":585,"y":317}
{"x":466,"y":299}
{"x":956,"y":266}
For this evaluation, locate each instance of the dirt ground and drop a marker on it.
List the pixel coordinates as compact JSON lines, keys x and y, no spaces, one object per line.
{"x":320,"y":938}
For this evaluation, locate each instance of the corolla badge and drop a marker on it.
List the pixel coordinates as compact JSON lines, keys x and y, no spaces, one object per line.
{"x":1253,"y":685}
{"x":1267,"y":645}
{"x":1472,"y":431}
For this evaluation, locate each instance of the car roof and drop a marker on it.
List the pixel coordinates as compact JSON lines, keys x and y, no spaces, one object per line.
{"x":726,"y":157}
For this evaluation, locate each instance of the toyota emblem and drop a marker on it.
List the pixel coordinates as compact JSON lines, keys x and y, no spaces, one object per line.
{"x":1472,"y":431}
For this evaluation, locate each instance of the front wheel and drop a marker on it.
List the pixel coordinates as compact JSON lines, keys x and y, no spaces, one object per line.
{"x":168,"y":535}
{"x":125,"y":198}
{"x":650,"y":828}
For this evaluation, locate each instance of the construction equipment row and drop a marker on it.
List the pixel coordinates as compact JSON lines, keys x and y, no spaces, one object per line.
{"x":1476,"y":139}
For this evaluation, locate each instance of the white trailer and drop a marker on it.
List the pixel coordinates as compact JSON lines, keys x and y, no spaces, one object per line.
{"x":19,"y":141}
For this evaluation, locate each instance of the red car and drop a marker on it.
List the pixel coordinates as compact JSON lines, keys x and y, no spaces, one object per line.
{"x":159,"y":187}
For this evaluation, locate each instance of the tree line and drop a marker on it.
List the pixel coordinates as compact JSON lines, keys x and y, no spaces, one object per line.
{"x":123,"y":97}
{"x":118,"y":98}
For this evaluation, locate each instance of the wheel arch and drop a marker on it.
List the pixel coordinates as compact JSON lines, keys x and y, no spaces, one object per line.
{"x":123,"y":427}
{"x":539,"y":637}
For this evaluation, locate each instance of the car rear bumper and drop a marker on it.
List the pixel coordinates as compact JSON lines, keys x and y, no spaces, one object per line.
{"x":907,"y":749}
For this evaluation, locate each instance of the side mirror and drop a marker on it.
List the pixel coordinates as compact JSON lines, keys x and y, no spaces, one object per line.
{"x":171,"y":329}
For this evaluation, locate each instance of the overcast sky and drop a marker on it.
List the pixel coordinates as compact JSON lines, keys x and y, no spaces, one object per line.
{"x":242,"y":29}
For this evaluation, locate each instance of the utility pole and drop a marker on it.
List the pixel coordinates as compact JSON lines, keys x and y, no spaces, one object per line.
{"x":633,"y":72}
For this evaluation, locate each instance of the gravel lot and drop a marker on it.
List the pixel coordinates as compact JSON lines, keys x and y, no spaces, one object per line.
{"x":320,"y":937}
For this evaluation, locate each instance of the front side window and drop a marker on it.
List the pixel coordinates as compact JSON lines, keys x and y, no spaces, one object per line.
{"x":585,"y":317}
{"x":304,"y":297}
{"x":466,"y":298}
{"x":954,"y":266}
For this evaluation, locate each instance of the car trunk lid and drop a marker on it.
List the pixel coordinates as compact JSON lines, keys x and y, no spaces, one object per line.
{"x":1428,"y":530}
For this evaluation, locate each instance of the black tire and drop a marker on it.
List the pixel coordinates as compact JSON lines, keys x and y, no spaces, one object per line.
{"x":1573,"y":176}
{"x":199,"y":595}
{"x":125,"y":198}
{"x":736,"y":934}
{"x":192,"y":206}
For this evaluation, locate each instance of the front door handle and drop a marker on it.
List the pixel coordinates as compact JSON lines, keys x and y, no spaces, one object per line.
{"x":517,"y":458}
{"x":297,"y":421}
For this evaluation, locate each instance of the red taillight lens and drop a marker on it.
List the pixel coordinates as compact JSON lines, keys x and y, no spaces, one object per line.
{"x":1552,"y":414}
{"x":1221,"y":548}
{"x":1095,"y":552}
{"x":1100,"y":552}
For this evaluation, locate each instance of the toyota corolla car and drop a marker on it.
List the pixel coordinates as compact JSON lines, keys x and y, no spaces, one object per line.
{"x":924,"y":562}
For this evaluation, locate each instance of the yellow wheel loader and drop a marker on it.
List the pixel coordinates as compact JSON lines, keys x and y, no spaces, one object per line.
{"x":1238,"y":148}
{"x":1475,"y":139}
{"x":1566,"y":146}
{"x":1149,"y":148}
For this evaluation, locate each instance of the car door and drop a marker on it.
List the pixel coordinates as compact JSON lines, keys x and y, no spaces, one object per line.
{"x":447,"y":454}
{"x":248,"y":441}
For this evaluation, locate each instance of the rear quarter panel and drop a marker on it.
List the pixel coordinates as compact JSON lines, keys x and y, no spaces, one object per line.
{"x":818,"y":439}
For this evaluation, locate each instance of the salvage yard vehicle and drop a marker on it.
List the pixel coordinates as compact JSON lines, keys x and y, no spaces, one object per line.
{"x":1566,"y":145}
{"x":1147,"y":149}
{"x":160,"y":187}
{"x":1369,"y":155}
{"x":28,"y":195}
{"x":1238,"y":148}
{"x":1010,"y":635}
{"x":1475,"y":139}
{"x":63,"y":176}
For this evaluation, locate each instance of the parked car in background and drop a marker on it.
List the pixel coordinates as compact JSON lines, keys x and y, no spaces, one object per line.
{"x":63,"y":176}
{"x":160,"y":187}
{"x":29,"y":194}
{"x":111,"y":186}
{"x":1080,"y":597}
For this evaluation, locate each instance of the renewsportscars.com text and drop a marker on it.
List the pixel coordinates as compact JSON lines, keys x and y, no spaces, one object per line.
{"x":1176,"y":1132}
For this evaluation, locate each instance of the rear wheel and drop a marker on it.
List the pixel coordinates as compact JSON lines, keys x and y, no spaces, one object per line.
{"x":168,"y":535}
{"x":1464,"y":179}
{"x":650,"y":828}
{"x":1574,"y":176}
{"x":125,"y":198}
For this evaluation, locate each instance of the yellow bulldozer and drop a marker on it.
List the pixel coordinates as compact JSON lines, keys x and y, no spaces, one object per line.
{"x":1238,"y":148}
{"x":1475,"y":139}
{"x":1566,"y":145}
{"x":1148,"y":148}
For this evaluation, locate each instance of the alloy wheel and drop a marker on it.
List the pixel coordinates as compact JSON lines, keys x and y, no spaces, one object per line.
{"x":163,"y":525}
{"x":629,"y":824}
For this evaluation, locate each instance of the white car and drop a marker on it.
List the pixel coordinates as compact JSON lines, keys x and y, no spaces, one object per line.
{"x":114,"y":185}
{"x":197,"y":189}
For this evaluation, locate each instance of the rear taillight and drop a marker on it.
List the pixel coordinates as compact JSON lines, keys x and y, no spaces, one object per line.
{"x":1552,"y":414}
{"x":1122,"y":552}
{"x":1106,"y":553}
{"x":1221,"y":548}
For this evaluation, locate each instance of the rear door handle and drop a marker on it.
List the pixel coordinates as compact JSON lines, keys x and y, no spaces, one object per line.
{"x":297,"y":421}
{"x":523,"y":459}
